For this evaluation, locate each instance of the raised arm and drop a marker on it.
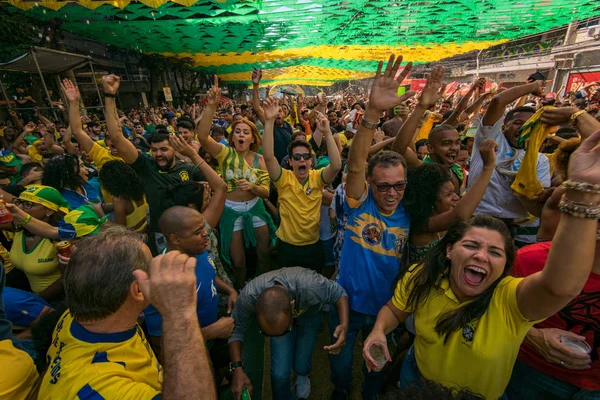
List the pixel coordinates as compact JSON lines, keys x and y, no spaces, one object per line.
{"x":256,"y":77}
{"x":271,"y":108}
{"x":203,"y":127}
{"x":585,"y":123}
{"x":464,"y":102}
{"x":33,"y":225}
{"x":126,"y":149}
{"x":74,"y":97}
{"x":498,"y":104}
{"x":213,"y":212}
{"x":384,"y":95}
{"x":466,"y":206}
{"x":572,"y":253}
{"x":171,"y":288}
{"x":335,"y":161}
{"x":430,"y":95}
{"x":19,"y":144}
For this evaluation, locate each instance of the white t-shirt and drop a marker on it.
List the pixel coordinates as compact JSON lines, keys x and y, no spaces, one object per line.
{"x":499,"y":200}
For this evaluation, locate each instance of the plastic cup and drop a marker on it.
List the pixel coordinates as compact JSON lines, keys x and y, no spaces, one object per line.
{"x":376,"y":351}
{"x":580,"y":346}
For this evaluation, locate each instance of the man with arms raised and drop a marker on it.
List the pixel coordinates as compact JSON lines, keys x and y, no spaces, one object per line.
{"x":377,"y":229}
{"x":98,"y":351}
{"x":156,"y":173}
{"x":300,"y":192}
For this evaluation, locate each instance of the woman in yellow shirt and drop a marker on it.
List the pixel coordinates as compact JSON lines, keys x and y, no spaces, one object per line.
{"x":129,"y":202}
{"x":470,"y":315}
{"x":33,"y":254}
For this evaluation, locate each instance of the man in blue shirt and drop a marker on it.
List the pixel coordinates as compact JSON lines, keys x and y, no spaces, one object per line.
{"x":376,"y":232}
{"x":184,"y":229}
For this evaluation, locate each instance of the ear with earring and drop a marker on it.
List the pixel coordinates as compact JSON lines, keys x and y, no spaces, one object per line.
{"x":447,"y":256}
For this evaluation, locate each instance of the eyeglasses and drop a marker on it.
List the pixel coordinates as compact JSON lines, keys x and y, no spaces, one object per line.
{"x":385,"y":187}
{"x":26,"y":204}
{"x":288,"y":330}
{"x":300,"y":156}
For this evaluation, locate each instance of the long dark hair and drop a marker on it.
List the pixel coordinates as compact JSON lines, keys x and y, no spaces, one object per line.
{"x":437,"y":267}
{"x":183,"y":194}
{"x":62,"y":172}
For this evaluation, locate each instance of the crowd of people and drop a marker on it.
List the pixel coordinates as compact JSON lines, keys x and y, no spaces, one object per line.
{"x":458,"y":234}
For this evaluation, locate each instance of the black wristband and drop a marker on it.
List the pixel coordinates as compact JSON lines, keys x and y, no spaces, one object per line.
{"x":111,"y":95}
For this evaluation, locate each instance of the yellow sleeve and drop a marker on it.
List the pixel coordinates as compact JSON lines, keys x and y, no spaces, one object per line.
{"x":426,"y":128}
{"x":317,"y":178}
{"x":34,"y":154}
{"x":505,"y":300}
{"x":403,"y":289}
{"x":100,"y":155}
{"x":17,"y":380}
{"x":354,"y":203}
{"x":284,"y":178}
{"x":223,"y":153}
{"x":110,"y":386}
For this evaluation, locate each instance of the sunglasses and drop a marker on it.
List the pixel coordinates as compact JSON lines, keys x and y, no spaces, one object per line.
{"x":385,"y":187}
{"x":302,"y":156}
{"x":26,"y":204}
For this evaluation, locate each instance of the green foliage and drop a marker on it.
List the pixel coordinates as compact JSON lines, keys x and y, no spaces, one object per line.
{"x":19,"y":33}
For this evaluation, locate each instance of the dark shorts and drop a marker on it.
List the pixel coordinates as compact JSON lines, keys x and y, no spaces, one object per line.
{"x":310,"y":256}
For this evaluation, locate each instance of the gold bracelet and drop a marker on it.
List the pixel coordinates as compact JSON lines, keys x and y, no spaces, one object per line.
{"x":25,"y":221}
{"x":573,"y":119}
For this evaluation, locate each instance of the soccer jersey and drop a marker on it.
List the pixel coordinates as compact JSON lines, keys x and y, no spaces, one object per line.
{"x":482,"y":354}
{"x":299,"y":207}
{"x":206,"y":289}
{"x":371,"y":253}
{"x":91,"y":193}
{"x":18,"y":373}
{"x":87,"y":365}
{"x":40,"y":264}
{"x":234,"y":168}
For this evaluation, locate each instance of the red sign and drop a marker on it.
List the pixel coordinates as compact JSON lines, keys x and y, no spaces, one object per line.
{"x":417,"y":84}
{"x":580,"y":79}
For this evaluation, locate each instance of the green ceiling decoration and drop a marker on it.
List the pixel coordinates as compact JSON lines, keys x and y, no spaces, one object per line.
{"x":323,"y":40}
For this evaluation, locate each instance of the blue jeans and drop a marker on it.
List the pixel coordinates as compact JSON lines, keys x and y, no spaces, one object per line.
{"x":341,"y":364}
{"x":293,"y":350}
{"x":528,"y":383}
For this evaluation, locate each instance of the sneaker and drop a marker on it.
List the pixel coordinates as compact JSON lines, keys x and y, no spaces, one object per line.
{"x":302,"y":386}
{"x":339,"y":395}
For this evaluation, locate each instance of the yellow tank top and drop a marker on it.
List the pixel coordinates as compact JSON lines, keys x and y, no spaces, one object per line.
{"x":5,"y":258}
{"x":138,"y":215}
{"x":40,"y":264}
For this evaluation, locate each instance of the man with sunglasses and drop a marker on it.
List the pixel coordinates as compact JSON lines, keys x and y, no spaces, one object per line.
{"x":288,"y":304}
{"x":300,"y":193}
{"x":376,"y":231}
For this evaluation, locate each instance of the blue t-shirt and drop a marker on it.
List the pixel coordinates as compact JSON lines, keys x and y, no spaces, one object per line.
{"x":92,"y":190}
{"x":206,"y":307}
{"x":371,"y":253}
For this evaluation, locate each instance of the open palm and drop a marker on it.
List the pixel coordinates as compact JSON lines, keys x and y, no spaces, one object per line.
{"x":434,"y":88}
{"x":384,"y":93}
{"x":71,"y":91}
{"x":271,"y":108}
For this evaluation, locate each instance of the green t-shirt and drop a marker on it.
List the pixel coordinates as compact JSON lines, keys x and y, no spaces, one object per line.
{"x":156,"y":181}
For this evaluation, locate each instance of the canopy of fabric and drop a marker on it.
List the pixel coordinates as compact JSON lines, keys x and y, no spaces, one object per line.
{"x":307,"y":41}
{"x":49,"y":61}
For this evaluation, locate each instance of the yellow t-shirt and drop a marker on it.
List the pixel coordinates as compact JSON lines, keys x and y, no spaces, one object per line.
{"x":427,"y":127}
{"x":34,"y":154}
{"x":100,"y":156}
{"x":87,"y":365}
{"x":40,"y":264}
{"x":299,"y":207}
{"x":19,"y":375}
{"x":482,"y":355}
{"x":343,"y":139}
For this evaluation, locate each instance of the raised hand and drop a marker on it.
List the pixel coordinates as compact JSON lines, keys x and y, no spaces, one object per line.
{"x":558,"y":116}
{"x":271,"y":107}
{"x":322,"y":123}
{"x":256,"y":76}
{"x":434,"y":87}
{"x":584,"y":164}
{"x":110,"y":83}
{"x":487,"y":149}
{"x":181,"y":146}
{"x":70,"y":90}
{"x":384,"y":93}
{"x":214,"y":93}
{"x":538,"y":88}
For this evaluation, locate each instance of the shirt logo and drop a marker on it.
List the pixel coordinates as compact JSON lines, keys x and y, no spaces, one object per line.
{"x":372,"y":234}
{"x":184,"y":176}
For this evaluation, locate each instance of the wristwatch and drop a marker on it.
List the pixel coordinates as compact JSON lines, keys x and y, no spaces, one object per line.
{"x":369,"y":125}
{"x":235,"y":364}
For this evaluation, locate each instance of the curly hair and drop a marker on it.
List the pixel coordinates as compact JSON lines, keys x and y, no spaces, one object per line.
{"x":420,"y":198}
{"x":120,"y":180}
{"x":62,"y":172}
{"x":183,"y":194}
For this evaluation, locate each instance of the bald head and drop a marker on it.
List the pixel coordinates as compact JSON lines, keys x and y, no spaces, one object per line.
{"x":178,"y":219}
{"x":274,"y":310}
